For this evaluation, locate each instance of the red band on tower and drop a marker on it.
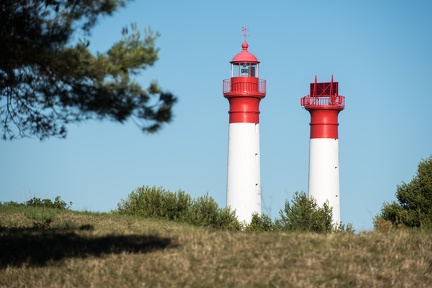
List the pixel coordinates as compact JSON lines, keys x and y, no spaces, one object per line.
{"x":324,"y":124}
{"x":244,"y":95}
{"x":324,"y":105}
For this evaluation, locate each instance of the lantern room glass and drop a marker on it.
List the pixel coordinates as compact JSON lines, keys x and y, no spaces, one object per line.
{"x":244,"y":70}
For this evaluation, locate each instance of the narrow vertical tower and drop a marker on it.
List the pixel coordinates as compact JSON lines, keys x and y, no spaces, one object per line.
{"x":244,"y":92}
{"x":324,"y":105}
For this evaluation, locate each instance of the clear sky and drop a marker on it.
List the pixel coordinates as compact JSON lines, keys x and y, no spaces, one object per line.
{"x":378,"y":51}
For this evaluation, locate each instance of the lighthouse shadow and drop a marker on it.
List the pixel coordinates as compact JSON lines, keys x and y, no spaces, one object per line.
{"x":40,"y":247}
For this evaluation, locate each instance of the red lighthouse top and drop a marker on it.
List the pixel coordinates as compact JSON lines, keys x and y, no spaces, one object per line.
{"x":324,"y":104}
{"x":323,"y":95}
{"x":244,"y":56}
{"x":244,"y":90}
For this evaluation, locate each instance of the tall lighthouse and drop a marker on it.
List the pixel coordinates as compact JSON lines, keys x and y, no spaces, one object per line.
{"x":324,"y":104}
{"x":244,"y":91}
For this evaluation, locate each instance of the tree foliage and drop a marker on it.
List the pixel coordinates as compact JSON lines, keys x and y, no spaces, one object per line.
{"x":414,"y":201}
{"x":48,"y":79}
{"x":261,"y":223}
{"x":156,"y":202}
{"x":304,"y":214}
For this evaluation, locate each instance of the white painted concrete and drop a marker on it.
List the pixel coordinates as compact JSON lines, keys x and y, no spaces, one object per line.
{"x":243,"y":185}
{"x":324,"y":173}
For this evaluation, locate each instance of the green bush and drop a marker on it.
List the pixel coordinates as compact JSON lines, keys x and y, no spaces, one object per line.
{"x":155,"y":202}
{"x":40,"y":211}
{"x":414,"y":206}
{"x":260,"y":224}
{"x":47,"y":203}
{"x":58,"y":203}
{"x":11,"y":204}
{"x":205,"y":212}
{"x":304,"y":214}
{"x":342,"y":228}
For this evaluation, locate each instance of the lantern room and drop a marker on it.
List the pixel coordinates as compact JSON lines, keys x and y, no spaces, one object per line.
{"x":244,"y":79}
{"x":244,"y":64}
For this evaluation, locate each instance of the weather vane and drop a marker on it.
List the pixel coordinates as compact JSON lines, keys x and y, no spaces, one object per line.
{"x":245,"y":31}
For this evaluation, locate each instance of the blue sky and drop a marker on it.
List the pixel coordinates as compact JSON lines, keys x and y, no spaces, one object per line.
{"x":378,"y":51}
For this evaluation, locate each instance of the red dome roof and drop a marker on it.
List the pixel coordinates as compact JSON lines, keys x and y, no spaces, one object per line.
{"x":244,"y":56}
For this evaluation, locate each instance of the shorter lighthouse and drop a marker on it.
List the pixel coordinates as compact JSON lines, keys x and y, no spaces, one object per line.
{"x":244,"y":92}
{"x":324,"y":104}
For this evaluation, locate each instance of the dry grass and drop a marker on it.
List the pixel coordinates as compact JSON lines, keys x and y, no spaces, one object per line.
{"x":118,"y":251}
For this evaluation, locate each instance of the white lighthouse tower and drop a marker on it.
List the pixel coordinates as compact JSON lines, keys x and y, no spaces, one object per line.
{"x":244,"y":91}
{"x":324,"y":105}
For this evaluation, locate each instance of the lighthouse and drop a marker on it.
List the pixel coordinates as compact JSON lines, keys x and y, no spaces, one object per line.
{"x":324,"y":104}
{"x":244,"y":91}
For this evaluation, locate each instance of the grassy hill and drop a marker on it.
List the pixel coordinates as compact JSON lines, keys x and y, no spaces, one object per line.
{"x":83,"y":249}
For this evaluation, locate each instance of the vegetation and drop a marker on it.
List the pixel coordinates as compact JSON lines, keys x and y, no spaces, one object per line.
{"x":48,"y":79}
{"x":304,"y":214}
{"x":156,"y":202}
{"x":414,"y":206}
{"x":58,"y":203}
{"x":40,"y":211}
{"x":261,"y":223}
{"x":178,"y":206}
{"x":83,"y":249}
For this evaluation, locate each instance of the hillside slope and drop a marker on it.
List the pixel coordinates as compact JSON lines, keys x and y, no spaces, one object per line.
{"x":83,"y":249}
